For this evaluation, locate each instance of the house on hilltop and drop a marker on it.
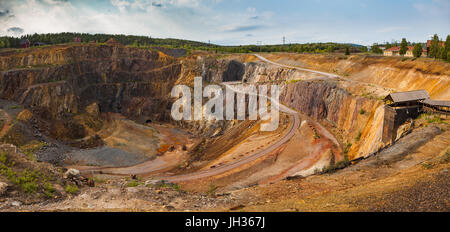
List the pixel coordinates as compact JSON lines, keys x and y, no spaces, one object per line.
{"x":441,"y":44}
{"x":395,"y":51}
{"x":25,"y":43}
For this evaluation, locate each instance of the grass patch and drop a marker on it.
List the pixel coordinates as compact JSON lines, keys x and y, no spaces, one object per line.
{"x":446,"y":157}
{"x":427,"y":165}
{"x":293,"y":81}
{"x":347,"y":147}
{"x":212,"y":189}
{"x":133,"y":183}
{"x":98,"y":180}
{"x":15,"y":107}
{"x":31,"y":148}
{"x":72,"y":189}
{"x":430,"y":118}
{"x":358,"y":137}
{"x":339,"y":165}
{"x":362,"y":111}
{"x":49,"y":190}
{"x":315,"y":135}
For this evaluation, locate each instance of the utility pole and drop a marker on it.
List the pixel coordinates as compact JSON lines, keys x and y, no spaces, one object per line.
{"x":259,"y":44}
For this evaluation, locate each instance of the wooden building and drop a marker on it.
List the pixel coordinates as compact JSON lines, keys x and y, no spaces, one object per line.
{"x":25,"y":43}
{"x":410,"y":98}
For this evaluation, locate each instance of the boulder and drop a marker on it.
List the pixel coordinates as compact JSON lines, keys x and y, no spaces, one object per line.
{"x":16,"y":203}
{"x":151,"y":182}
{"x":3,"y":188}
{"x":72,"y":174}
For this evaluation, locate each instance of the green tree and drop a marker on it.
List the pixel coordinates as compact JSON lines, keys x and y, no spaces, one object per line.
{"x":417,"y":50}
{"x":330,"y":49}
{"x":375,"y":49}
{"x":445,"y":54}
{"x":403,"y":47}
{"x":388,"y":45}
{"x":347,"y":51}
{"x":434,"y":47}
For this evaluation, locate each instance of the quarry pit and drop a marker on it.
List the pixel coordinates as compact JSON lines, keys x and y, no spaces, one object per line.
{"x":105,"y":110}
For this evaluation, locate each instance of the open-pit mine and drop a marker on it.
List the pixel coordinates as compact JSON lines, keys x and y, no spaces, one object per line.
{"x":88,"y":127}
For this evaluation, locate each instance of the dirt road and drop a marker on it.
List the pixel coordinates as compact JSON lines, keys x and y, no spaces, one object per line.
{"x":328,"y":75}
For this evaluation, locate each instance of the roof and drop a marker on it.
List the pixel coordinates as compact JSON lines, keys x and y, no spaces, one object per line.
{"x":437,"y":102}
{"x":416,"y":95}
{"x":440,"y":42}
{"x":397,"y":48}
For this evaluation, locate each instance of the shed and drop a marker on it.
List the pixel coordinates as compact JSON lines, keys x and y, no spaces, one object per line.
{"x":25,"y":43}
{"x":407,"y":97}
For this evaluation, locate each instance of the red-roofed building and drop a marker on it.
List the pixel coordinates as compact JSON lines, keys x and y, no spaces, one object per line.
{"x":442,"y":43}
{"x":395,"y":51}
{"x":77,"y":40}
{"x":25,"y":43}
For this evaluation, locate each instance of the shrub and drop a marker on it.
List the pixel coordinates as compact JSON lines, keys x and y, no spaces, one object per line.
{"x":98,"y":180}
{"x":212,"y":189}
{"x":339,"y":165}
{"x":358,"y":137}
{"x":3,"y":157}
{"x":316,"y":136}
{"x":29,"y":187}
{"x":133,"y":183}
{"x":347,"y":147}
{"x":49,"y":190}
{"x":72,"y":189}
{"x":427,"y":165}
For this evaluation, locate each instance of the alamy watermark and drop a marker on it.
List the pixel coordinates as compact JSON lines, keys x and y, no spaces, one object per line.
{"x":213,"y":109}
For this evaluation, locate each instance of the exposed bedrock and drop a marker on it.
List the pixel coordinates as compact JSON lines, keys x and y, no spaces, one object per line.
{"x":357,"y":122}
{"x":122,"y":80}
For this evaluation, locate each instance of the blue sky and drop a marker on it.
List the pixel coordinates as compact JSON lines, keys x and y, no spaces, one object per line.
{"x":232,"y":22}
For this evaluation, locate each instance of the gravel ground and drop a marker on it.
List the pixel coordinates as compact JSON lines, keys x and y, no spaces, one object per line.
{"x":105,"y":156}
{"x":425,"y":196}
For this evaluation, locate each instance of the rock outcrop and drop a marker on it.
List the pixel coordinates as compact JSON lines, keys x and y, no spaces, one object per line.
{"x":64,"y":81}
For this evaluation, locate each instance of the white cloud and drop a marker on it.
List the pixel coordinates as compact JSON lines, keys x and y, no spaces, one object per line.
{"x":120,"y":4}
{"x":434,"y":9}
